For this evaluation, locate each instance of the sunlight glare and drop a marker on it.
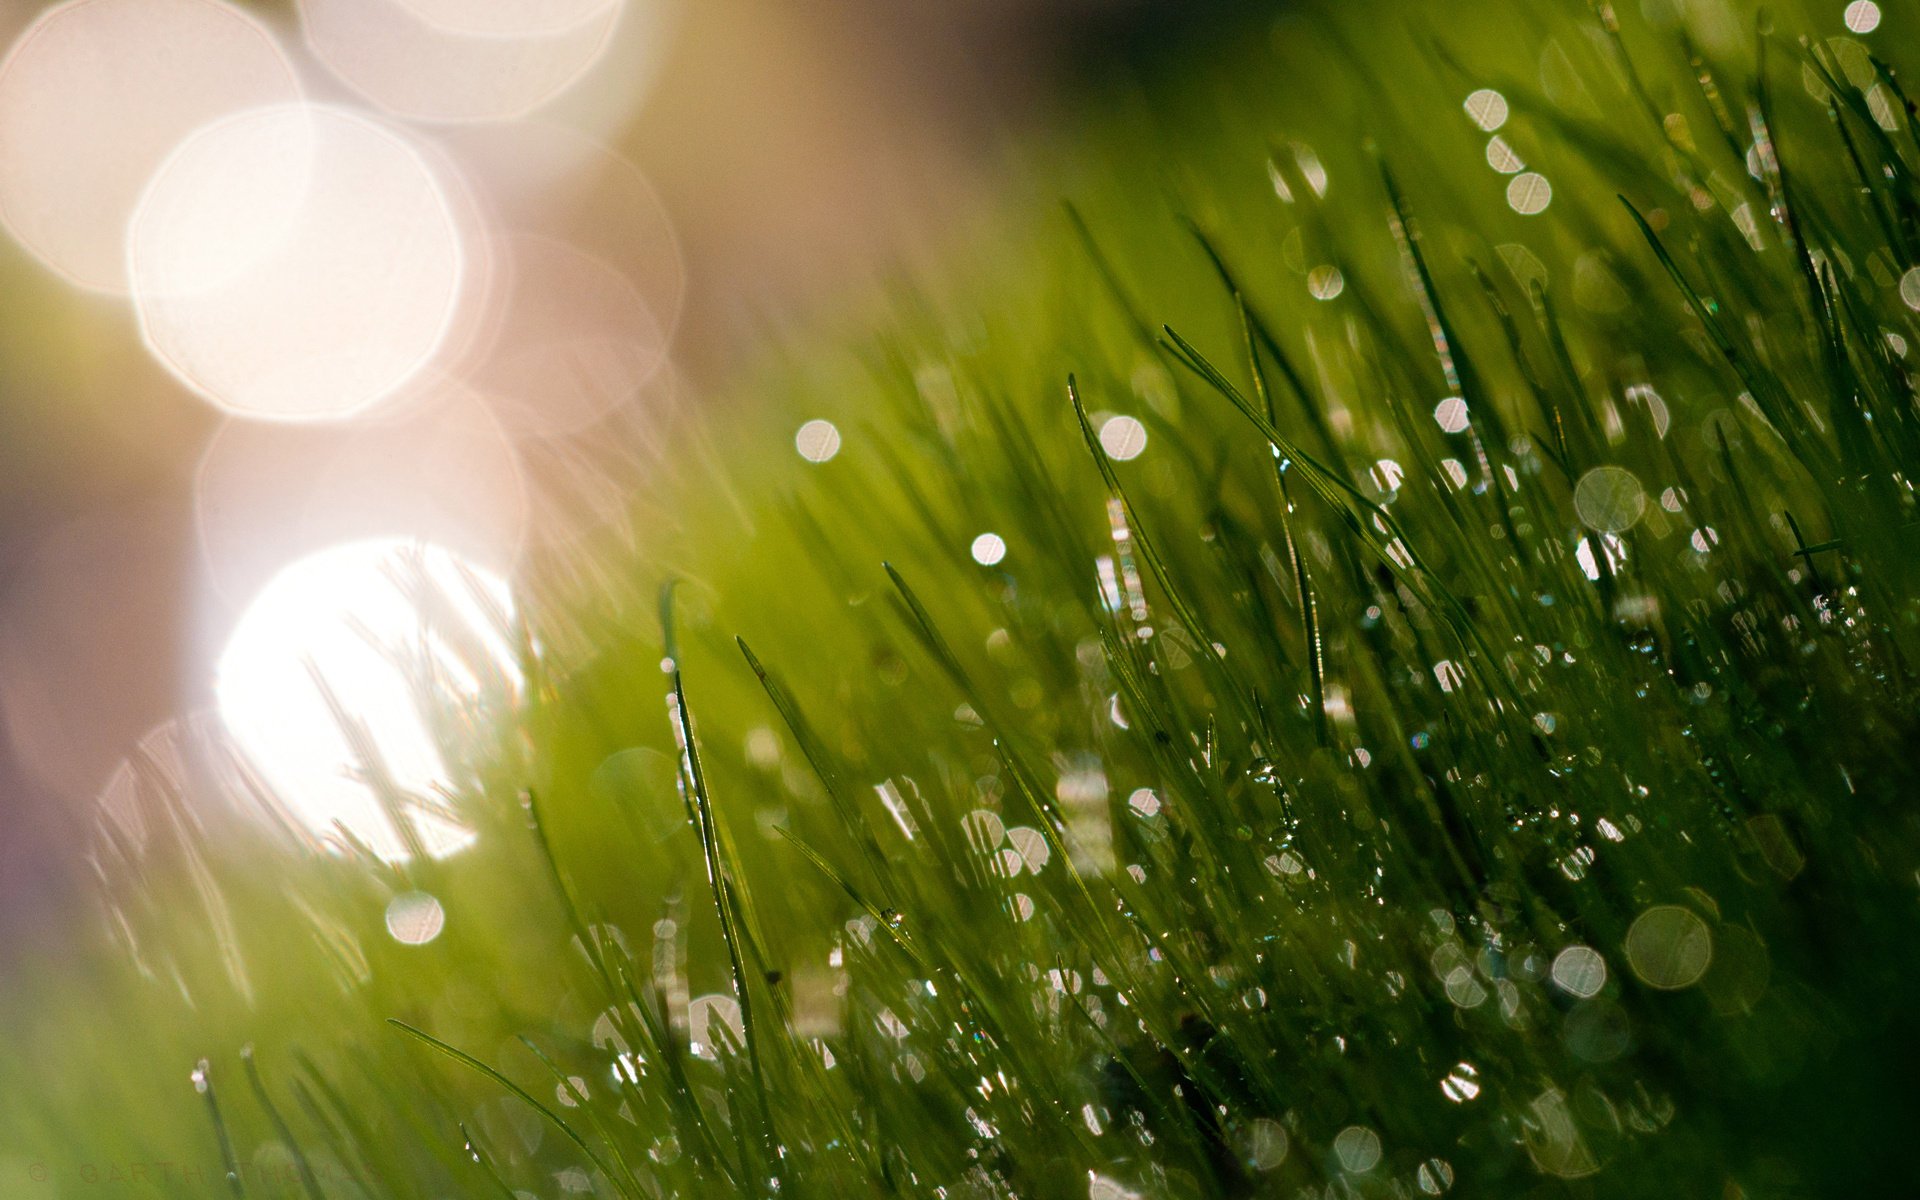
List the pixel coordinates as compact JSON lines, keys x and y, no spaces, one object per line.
{"x":341,"y":640}
{"x":93,"y":97}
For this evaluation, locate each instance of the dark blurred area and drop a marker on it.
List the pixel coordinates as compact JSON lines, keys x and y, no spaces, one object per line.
{"x":796,"y":151}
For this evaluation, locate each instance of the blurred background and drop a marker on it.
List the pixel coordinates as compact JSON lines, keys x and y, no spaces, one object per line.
{"x":285,"y":276}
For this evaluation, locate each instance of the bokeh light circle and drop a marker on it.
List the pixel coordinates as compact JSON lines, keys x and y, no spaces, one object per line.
{"x":507,"y":18}
{"x":441,"y":469}
{"x":572,"y":339}
{"x":1123,"y":438}
{"x":93,"y":97}
{"x":817,"y":440}
{"x":1669,"y":947}
{"x":321,"y":687}
{"x":1609,"y":499}
{"x":415,"y":918}
{"x":1529,"y":193}
{"x":296,"y":301}
{"x":410,"y":67}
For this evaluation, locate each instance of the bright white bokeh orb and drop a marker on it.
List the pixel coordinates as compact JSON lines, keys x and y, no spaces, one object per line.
{"x":573,"y":339}
{"x":1123,"y":438}
{"x":344,"y":647}
{"x":296,"y":262}
{"x":415,"y":918}
{"x":443,"y":470}
{"x":507,"y":18}
{"x":817,"y":441}
{"x":93,"y":97}
{"x":411,"y":67}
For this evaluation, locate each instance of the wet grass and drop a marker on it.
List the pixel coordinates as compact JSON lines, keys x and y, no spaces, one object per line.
{"x":1469,"y":749}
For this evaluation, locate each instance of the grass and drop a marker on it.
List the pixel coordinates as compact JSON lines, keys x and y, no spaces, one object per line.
{"x":1469,"y":750}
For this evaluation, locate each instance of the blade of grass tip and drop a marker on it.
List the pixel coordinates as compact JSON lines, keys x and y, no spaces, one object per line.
{"x":1776,"y":407}
{"x":883,"y":915}
{"x":1332,"y":488}
{"x":814,"y":751}
{"x":698,"y":1131}
{"x":203,"y":1083}
{"x":1455,"y":366}
{"x":1051,"y":821}
{"x":343,"y":1116}
{"x":888,"y":919}
{"x":581,"y":1102}
{"x":718,"y":875}
{"x":1259,"y":330}
{"x":1104,"y":269}
{"x":1815,"y":584}
{"x":479,"y":1157}
{"x":308,"y":1181}
{"x":471,"y":1063}
{"x":1309,"y":618}
{"x":530,"y":802}
{"x":1162,"y":575}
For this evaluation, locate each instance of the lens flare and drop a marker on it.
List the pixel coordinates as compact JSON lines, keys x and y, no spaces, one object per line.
{"x":400,"y":62}
{"x":327,"y":682}
{"x":443,"y":471}
{"x":93,"y":97}
{"x":296,"y":262}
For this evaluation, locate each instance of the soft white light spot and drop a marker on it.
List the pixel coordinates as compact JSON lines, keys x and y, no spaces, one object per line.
{"x":989,"y":549}
{"x":1487,"y":109}
{"x":1609,"y":499}
{"x":1123,"y":438}
{"x":1266,"y":1144}
{"x":1579,"y":971}
{"x":712,"y":1018}
{"x":1910,"y":288}
{"x":1529,"y":193}
{"x":1461,"y":1084}
{"x":1501,"y":157}
{"x":1434,"y":1176}
{"x":817,"y":441}
{"x":1643,"y":395}
{"x":1031,"y":845}
{"x":412,"y":67}
{"x":1357,"y":1148}
{"x":1451,"y":414}
{"x":442,"y":470}
{"x":506,"y":18}
{"x":1669,"y":947}
{"x":1610,"y":544}
{"x":1326,"y":282}
{"x":573,"y":339}
{"x":415,"y":918}
{"x":295,"y":262}
{"x":1863,"y":16}
{"x":93,"y":97}
{"x":1144,"y":802}
{"x":349,"y":636}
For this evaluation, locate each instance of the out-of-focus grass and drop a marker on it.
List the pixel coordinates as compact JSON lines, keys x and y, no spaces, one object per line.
{"x":1470,"y":749}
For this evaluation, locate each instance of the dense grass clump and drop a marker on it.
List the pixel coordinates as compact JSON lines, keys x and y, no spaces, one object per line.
{"x":1371,"y":655}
